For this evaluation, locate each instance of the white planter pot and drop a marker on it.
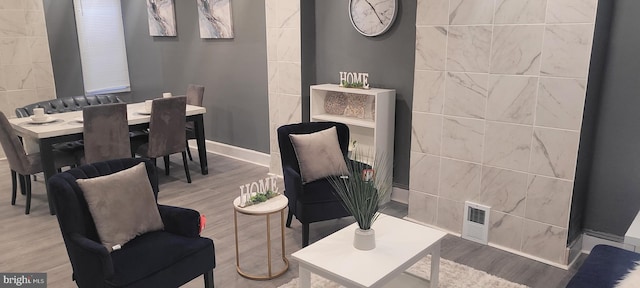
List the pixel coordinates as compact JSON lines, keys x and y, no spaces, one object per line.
{"x":364,"y":239}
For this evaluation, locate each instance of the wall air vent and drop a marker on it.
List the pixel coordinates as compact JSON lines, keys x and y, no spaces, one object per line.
{"x":475,"y":226}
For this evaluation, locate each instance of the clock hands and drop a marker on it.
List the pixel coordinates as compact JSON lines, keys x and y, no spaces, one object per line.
{"x":374,"y":11}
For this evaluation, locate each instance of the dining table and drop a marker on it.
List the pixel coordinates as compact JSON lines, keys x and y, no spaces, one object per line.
{"x":64,"y":127}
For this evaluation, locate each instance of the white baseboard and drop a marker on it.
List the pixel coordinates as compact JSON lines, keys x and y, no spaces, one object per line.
{"x":589,"y":241}
{"x":431,"y":226}
{"x":234,"y":152}
{"x":400,"y":195}
{"x":520,"y":253}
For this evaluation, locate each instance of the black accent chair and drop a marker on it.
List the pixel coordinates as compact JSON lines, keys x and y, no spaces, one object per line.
{"x":314,"y":201}
{"x":167,"y":258}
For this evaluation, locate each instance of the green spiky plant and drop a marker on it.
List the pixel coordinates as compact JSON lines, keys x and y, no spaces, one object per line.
{"x":362,"y":197}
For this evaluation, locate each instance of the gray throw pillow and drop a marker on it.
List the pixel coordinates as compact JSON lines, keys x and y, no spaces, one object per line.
{"x":319,"y":154}
{"x":122,"y":205}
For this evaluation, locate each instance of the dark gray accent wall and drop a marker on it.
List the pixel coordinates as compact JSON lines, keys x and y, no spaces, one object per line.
{"x":308,"y":53}
{"x":613,"y":196}
{"x":388,"y":58}
{"x":597,"y":70}
{"x":233,"y":71}
{"x":63,"y":44}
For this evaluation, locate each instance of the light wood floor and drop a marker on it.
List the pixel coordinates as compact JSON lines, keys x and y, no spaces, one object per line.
{"x":32,"y":243}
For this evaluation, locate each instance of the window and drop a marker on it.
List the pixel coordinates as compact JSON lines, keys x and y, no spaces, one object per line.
{"x":102,"y":48}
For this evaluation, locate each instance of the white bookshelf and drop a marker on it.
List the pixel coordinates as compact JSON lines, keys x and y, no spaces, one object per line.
{"x":374,"y":135}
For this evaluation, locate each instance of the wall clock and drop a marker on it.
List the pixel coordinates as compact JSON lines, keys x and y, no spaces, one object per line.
{"x":372,"y":17}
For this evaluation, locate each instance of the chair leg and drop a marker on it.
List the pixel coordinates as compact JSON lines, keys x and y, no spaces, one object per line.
{"x":14,"y":187}
{"x":208,"y":279}
{"x":305,"y":234}
{"x":289,"y":217}
{"x":23,"y":189}
{"x":27,"y":182}
{"x":155,"y":165}
{"x":186,"y":167}
{"x":189,"y":153}
{"x":188,"y":150}
{"x":166,"y":165}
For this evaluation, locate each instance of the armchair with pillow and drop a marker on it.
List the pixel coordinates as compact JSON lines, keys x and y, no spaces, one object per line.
{"x":117,"y":235}
{"x":311,"y":152}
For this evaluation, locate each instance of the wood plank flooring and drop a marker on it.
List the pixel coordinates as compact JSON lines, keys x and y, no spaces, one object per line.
{"x":32,"y":243}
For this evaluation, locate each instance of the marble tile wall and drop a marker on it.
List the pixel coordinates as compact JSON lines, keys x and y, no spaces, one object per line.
{"x":26,"y":74}
{"x":283,"y":64}
{"x":499,"y":93}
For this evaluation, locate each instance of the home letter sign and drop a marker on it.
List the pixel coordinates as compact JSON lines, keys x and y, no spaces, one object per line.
{"x":260,"y":186}
{"x":353,"y":78}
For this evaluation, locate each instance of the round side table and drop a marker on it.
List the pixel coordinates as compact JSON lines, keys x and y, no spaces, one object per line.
{"x":271,"y":206}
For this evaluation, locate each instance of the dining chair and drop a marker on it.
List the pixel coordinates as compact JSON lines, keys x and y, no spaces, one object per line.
{"x":24,"y":164}
{"x":195,"y":95}
{"x":166,"y":132}
{"x":106,"y":133}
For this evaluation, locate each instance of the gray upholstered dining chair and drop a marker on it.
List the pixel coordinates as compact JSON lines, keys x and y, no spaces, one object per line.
{"x":24,"y":164}
{"x":106,"y":133}
{"x":166,"y":132}
{"x":195,"y":95}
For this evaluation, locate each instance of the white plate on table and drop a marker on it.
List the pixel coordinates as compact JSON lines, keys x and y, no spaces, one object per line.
{"x":43,"y":120}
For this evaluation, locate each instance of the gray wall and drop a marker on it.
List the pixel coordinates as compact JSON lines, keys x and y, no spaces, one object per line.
{"x":63,"y":43}
{"x":613,"y":196}
{"x":389,"y":60}
{"x":233,"y":71}
{"x":308,"y":53}
{"x":597,"y":70}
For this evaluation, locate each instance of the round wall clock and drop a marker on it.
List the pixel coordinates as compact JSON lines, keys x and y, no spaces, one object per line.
{"x":372,"y":17}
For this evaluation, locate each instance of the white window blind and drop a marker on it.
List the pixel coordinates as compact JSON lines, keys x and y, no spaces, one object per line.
{"x":102,"y":48}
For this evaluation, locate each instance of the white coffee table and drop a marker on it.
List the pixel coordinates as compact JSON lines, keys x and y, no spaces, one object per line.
{"x":399,"y":244}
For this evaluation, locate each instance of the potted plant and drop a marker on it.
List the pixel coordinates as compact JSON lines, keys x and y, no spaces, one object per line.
{"x":361,"y":193}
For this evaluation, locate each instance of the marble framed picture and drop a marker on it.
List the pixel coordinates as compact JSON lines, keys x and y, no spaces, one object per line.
{"x":214,"y":17}
{"x":162,"y":18}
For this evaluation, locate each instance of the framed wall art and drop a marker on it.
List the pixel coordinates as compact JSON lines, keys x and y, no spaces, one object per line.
{"x":215,"y":19}
{"x":162,"y":18}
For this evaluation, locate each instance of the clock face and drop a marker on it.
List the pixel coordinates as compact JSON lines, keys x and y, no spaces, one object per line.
{"x":372,"y":17}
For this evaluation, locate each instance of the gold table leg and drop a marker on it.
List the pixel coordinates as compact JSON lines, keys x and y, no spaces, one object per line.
{"x":269,"y":243}
{"x":284,"y":258}
{"x":235,"y":225}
